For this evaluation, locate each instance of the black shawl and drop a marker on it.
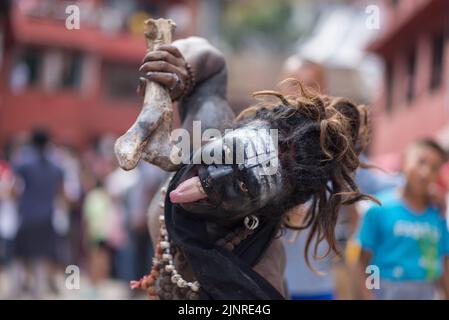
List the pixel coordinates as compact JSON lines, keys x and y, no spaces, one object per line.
{"x":221,"y":273}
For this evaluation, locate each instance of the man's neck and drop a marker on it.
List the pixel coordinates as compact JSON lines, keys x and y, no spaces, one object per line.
{"x":418,"y":202}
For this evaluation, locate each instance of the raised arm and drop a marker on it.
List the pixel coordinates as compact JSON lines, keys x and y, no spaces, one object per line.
{"x":206,"y":100}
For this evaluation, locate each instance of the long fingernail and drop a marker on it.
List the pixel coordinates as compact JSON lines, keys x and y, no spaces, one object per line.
{"x":174,"y":197}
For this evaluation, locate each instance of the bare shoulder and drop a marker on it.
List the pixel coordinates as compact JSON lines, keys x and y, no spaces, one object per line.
{"x":205,"y":58}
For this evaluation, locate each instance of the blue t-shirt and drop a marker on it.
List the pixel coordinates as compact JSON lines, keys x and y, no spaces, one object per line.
{"x":405,"y":245}
{"x":42,"y":180}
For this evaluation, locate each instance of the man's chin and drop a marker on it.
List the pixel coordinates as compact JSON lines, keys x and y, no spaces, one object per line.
{"x":200,"y":206}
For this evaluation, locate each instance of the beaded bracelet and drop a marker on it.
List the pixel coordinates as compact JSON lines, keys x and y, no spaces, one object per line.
{"x":188,"y":88}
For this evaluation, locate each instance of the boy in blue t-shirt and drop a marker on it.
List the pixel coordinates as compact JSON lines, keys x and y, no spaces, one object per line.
{"x":407,"y":237}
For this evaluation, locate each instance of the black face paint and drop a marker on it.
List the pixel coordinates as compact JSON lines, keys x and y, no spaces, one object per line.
{"x":247,"y":176}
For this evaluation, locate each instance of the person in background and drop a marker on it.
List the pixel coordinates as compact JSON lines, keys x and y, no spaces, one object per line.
{"x":407,"y":237}
{"x":303,"y":282}
{"x":135,"y":190}
{"x":99,"y":217}
{"x":40,"y":184}
{"x":370,"y":181}
{"x":8,"y":218}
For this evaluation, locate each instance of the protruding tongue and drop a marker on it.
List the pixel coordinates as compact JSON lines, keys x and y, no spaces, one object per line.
{"x":187,"y":191}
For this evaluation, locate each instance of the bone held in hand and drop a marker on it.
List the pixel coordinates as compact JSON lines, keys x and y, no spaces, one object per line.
{"x":149,"y":136}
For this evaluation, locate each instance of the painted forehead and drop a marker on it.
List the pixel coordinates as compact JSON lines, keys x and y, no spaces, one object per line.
{"x":251,"y":147}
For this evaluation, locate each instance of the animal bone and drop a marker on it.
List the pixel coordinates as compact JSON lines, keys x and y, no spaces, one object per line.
{"x":149,"y":136}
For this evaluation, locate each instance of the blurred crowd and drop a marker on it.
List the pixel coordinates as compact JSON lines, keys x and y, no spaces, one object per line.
{"x":395,"y":249}
{"x":59,"y":207}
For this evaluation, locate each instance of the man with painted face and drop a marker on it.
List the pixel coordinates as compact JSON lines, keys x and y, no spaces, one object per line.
{"x":215,"y":224}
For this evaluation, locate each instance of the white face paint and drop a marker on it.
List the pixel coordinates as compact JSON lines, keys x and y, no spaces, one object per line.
{"x":257,"y":153}
{"x":248,"y":155}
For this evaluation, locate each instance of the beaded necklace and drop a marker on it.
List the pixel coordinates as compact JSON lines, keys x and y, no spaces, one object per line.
{"x":163,"y":263}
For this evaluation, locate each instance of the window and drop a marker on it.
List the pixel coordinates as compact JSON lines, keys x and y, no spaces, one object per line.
{"x":61,"y":69}
{"x":121,"y":81}
{"x":48,"y":68}
{"x":2,"y":45}
{"x":71,"y":70}
{"x":389,"y":78}
{"x":26,"y":69}
{"x":437,"y":60}
{"x":411,"y":71}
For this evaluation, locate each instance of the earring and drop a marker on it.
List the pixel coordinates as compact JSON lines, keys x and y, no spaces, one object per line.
{"x":251,"y":222}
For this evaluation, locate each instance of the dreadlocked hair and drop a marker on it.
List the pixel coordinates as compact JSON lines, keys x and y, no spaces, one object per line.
{"x":320,"y":139}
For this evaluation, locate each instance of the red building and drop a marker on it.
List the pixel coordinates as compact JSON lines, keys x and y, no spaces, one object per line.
{"x":79,"y":83}
{"x":414,"y":100}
